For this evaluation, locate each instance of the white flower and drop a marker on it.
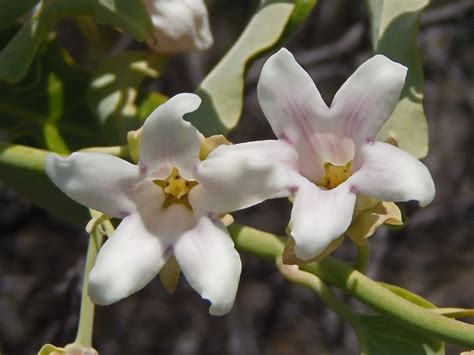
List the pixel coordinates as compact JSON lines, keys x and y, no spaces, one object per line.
{"x":179,"y":25}
{"x":170,"y":203}
{"x":338,"y":157}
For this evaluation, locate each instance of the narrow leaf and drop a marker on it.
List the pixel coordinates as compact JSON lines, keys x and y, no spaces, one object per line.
{"x":17,"y":56}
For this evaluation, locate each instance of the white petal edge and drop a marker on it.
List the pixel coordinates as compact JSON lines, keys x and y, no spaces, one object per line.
{"x":367,"y":99}
{"x":137,"y":251}
{"x":239,"y":176}
{"x":98,"y":181}
{"x":271,"y":150}
{"x":391,"y":174}
{"x":319,"y":217}
{"x":168,"y":140}
{"x":127,"y":261}
{"x":210,"y":263}
{"x":294,"y":108}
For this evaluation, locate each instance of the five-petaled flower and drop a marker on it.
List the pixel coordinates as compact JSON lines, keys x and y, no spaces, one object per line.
{"x":338,"y":155}
{"x":170,"y":203}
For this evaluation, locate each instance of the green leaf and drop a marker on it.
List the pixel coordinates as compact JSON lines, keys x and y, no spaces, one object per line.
{"x":48,"y":108}
{"x":382,"y":336}
{"x":301,"y":11}
{"x":129,"y":15}
{"x":149,"y":104}
{"x":52,"y":137}
{"x":114,"y":88}
{"x":222,"y":90}
{"x":395,"y":25}
{"x":22,"y":169}
{"x":11,"y":10}
{"x":17,"y":56}
{"x":53,"y":140}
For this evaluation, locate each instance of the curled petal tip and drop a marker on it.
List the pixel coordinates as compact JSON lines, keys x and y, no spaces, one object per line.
{"x":388,"y":69}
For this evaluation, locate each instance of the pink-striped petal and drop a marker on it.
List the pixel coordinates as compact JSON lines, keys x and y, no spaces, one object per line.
{"x":319,"y":217}
{"x":367,"y":99}
{"x":294,"y":108}
{"x":391,"y":174}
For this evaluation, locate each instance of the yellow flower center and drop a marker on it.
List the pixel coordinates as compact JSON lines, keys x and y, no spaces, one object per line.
{"x":176,"y":189}
{"x":335,"y":175}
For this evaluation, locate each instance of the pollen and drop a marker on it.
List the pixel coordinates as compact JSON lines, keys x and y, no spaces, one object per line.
{"x":176,"y":189}
{"x":335,"y":175}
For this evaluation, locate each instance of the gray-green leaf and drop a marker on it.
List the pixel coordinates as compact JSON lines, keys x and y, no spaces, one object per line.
{"x":395,"y":25}
{"x":222,"y":90}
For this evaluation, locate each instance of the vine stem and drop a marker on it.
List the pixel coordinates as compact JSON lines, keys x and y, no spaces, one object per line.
{"x":363,"y":257}
{"x":351,"y":281}
{"x":313,"y":282}
{"x":270,"y":247}
{"x":86,"y":315}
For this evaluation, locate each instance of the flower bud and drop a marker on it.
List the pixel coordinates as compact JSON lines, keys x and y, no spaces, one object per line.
{"x":70,"y":349}
{"x":179,"y":25}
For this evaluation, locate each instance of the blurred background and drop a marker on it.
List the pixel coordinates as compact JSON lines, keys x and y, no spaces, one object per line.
{"x":41,"y":258}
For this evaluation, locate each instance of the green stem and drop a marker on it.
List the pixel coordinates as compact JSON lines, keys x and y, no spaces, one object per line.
{"x":86,"y":317}
{"x":338,"y":273}
{"x":313,"y":282}
{"x":363,"y":257}
{"x":270,"y":247}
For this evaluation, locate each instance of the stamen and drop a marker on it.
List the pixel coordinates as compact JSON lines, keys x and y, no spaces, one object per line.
{"x":176,"y":189}
{"x":335,"y":175}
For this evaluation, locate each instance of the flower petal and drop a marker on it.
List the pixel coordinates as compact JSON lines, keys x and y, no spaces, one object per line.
{"x":367,"y":99}
{"x":271,"y":150}
{"x":128,"y":261}
{"x":391,"y":174}
{"x":168,"y":140}
{"x":99,"y":181}
{"x":238,"y":176}
{"x":210,"y":263}
{"x":136,"y":252}
{"x":319,"y":217}
{"x":294,"y":108}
